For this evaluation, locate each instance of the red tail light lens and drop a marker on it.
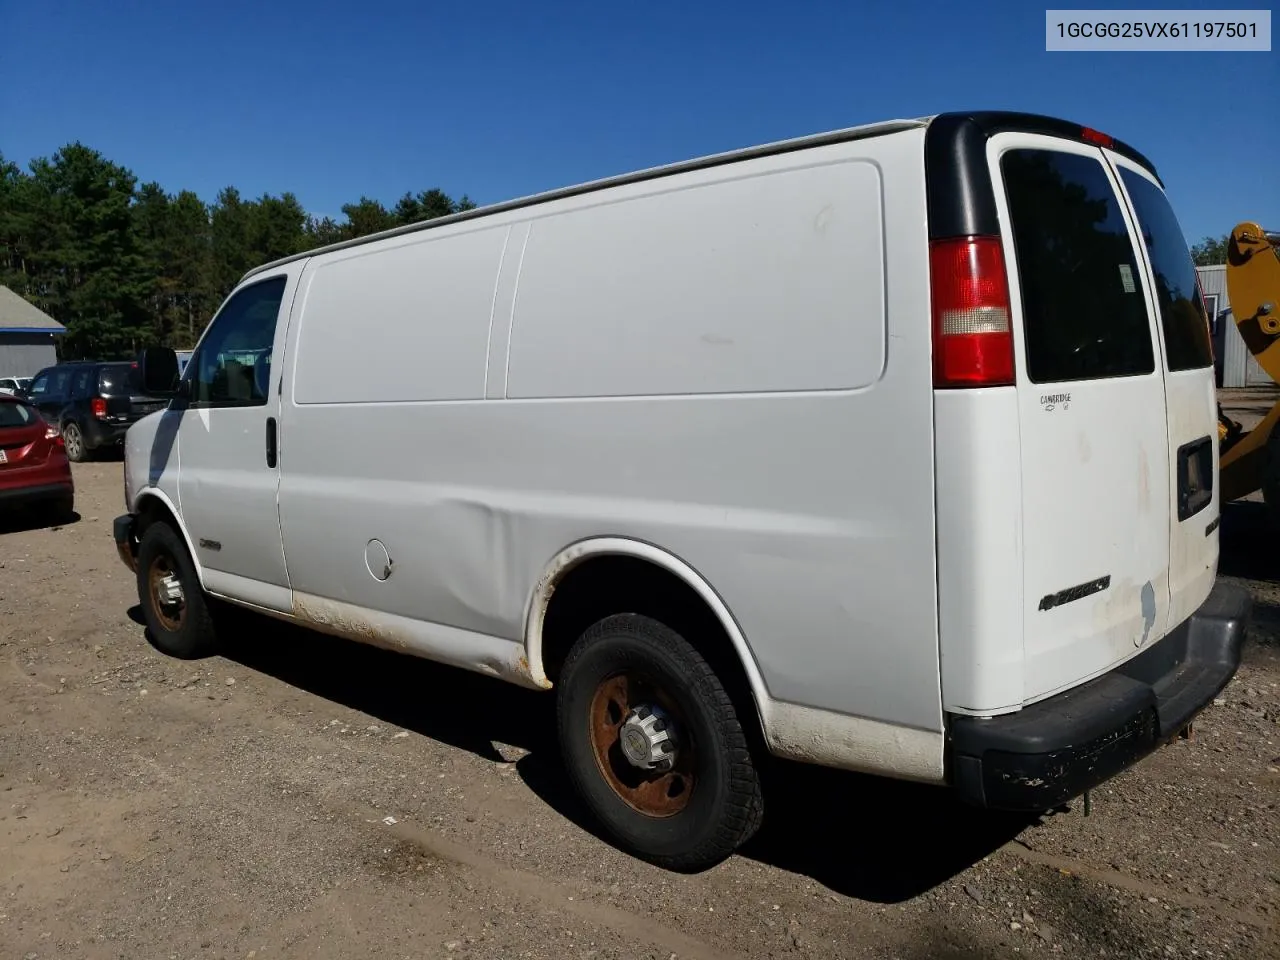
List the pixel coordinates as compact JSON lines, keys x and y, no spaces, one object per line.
{"x":51,"y":433}
{"x":972,"y":334}
{"x":98,"y":407}
{"x":1089,"y":135}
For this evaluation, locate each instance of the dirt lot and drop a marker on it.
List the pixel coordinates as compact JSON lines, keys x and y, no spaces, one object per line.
{"x":305,"y":797}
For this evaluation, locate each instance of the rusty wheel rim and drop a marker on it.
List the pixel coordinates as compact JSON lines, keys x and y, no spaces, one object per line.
{"x":169,"y":612}
{"x":657,"y":794}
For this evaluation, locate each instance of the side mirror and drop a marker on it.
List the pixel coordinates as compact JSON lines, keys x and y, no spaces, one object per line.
{"x":158,"y":369}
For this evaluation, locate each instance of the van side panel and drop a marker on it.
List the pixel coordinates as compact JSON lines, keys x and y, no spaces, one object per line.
{"x":768,"y":282}
{"x":810,"y":512}
{"x":434,"y":290}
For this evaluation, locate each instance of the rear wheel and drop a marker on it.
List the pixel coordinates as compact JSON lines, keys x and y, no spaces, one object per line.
{"x":654,"y":746}
{"x":173,"y":604}
{"x":73,"y":441}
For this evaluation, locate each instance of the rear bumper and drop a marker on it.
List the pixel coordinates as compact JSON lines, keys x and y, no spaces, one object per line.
{"x":124,"y":530}
{"x":1054,"y":750}
{"x":105,"y":433}
{"x":36,"y":493}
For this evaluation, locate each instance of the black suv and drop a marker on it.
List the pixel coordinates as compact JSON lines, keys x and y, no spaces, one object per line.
{"x":93,"y":403}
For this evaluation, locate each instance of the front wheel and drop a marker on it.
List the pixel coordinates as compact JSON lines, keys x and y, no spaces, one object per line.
{"x":653,"y":745}
{"x":173,"y":603}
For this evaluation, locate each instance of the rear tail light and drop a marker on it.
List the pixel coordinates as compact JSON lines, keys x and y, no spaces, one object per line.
{"x":51,"y":433}
{"x":1089,"y":135}
{"x":972,"y":334}
{"x":98,"y":407}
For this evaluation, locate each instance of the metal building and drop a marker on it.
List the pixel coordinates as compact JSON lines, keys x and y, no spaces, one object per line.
{"x":1236,"y":365}
{"x":26,"y":336}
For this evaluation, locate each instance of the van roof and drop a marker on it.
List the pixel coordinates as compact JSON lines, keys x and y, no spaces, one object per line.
{"x":987,"y":122}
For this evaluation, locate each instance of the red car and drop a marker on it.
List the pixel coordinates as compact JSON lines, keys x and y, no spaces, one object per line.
{"x":34,"y":471}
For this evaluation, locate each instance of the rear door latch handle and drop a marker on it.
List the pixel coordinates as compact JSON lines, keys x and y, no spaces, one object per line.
{"x":271,"y":441}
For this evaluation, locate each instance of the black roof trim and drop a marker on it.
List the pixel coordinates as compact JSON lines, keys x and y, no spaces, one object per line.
{"x":960,"y":197}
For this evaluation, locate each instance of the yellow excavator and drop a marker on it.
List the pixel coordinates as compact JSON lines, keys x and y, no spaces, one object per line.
{"x":1250,"y":460}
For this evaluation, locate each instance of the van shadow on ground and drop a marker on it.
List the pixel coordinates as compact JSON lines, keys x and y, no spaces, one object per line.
{"x":1249,"y":550}
{"x":861,"y":836}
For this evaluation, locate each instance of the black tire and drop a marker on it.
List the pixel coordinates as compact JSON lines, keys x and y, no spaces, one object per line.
{"x":73,"y":441}
{"x":724,"y":805}
{"x":187,"y":632}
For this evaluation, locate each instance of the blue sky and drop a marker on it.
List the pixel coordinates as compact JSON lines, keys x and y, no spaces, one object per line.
{"x":498,"y":99}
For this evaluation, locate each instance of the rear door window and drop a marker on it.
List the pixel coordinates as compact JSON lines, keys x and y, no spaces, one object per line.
{"x":1186,"y":328}
{"x":118,"y":379}
{"x":15,"y":415}
{"x":1083,"y":312}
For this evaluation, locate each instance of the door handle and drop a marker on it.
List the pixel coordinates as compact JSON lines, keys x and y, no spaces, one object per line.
{"x":271,"y":441}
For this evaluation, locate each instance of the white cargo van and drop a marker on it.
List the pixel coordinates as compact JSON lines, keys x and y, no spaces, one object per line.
{"x":891,"y":449}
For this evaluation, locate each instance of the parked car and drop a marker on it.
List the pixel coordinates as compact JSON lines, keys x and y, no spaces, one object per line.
{"x":34,"y":472}
{"x":92,"y":403}
{"x":15,"y":386}
{"x":889,"y":449}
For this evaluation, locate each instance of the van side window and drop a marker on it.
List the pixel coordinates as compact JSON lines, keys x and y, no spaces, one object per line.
{"x":39,"y":385}
{"x":232,"y":367}
{"x":1083,"y":310}
{"x":1186,"y":328}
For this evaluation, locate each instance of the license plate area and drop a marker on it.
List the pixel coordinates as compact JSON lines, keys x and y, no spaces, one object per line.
{"x":1195,"y":477}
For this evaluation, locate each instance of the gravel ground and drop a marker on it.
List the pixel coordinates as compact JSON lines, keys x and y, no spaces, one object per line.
{"x":305,"y":797}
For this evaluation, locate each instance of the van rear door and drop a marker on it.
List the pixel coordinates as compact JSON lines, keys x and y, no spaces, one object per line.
{"x":1190,"y":390}
{"x":1095,"y":443}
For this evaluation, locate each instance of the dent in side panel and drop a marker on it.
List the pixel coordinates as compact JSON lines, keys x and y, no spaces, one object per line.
{"x":979,"y":549}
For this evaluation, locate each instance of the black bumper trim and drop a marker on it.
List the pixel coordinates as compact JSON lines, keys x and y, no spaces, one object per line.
{"x":36,"y":494}
{"x":124,"y":531}
{"x":1049,"y":752}
{"x":105,"y":433}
